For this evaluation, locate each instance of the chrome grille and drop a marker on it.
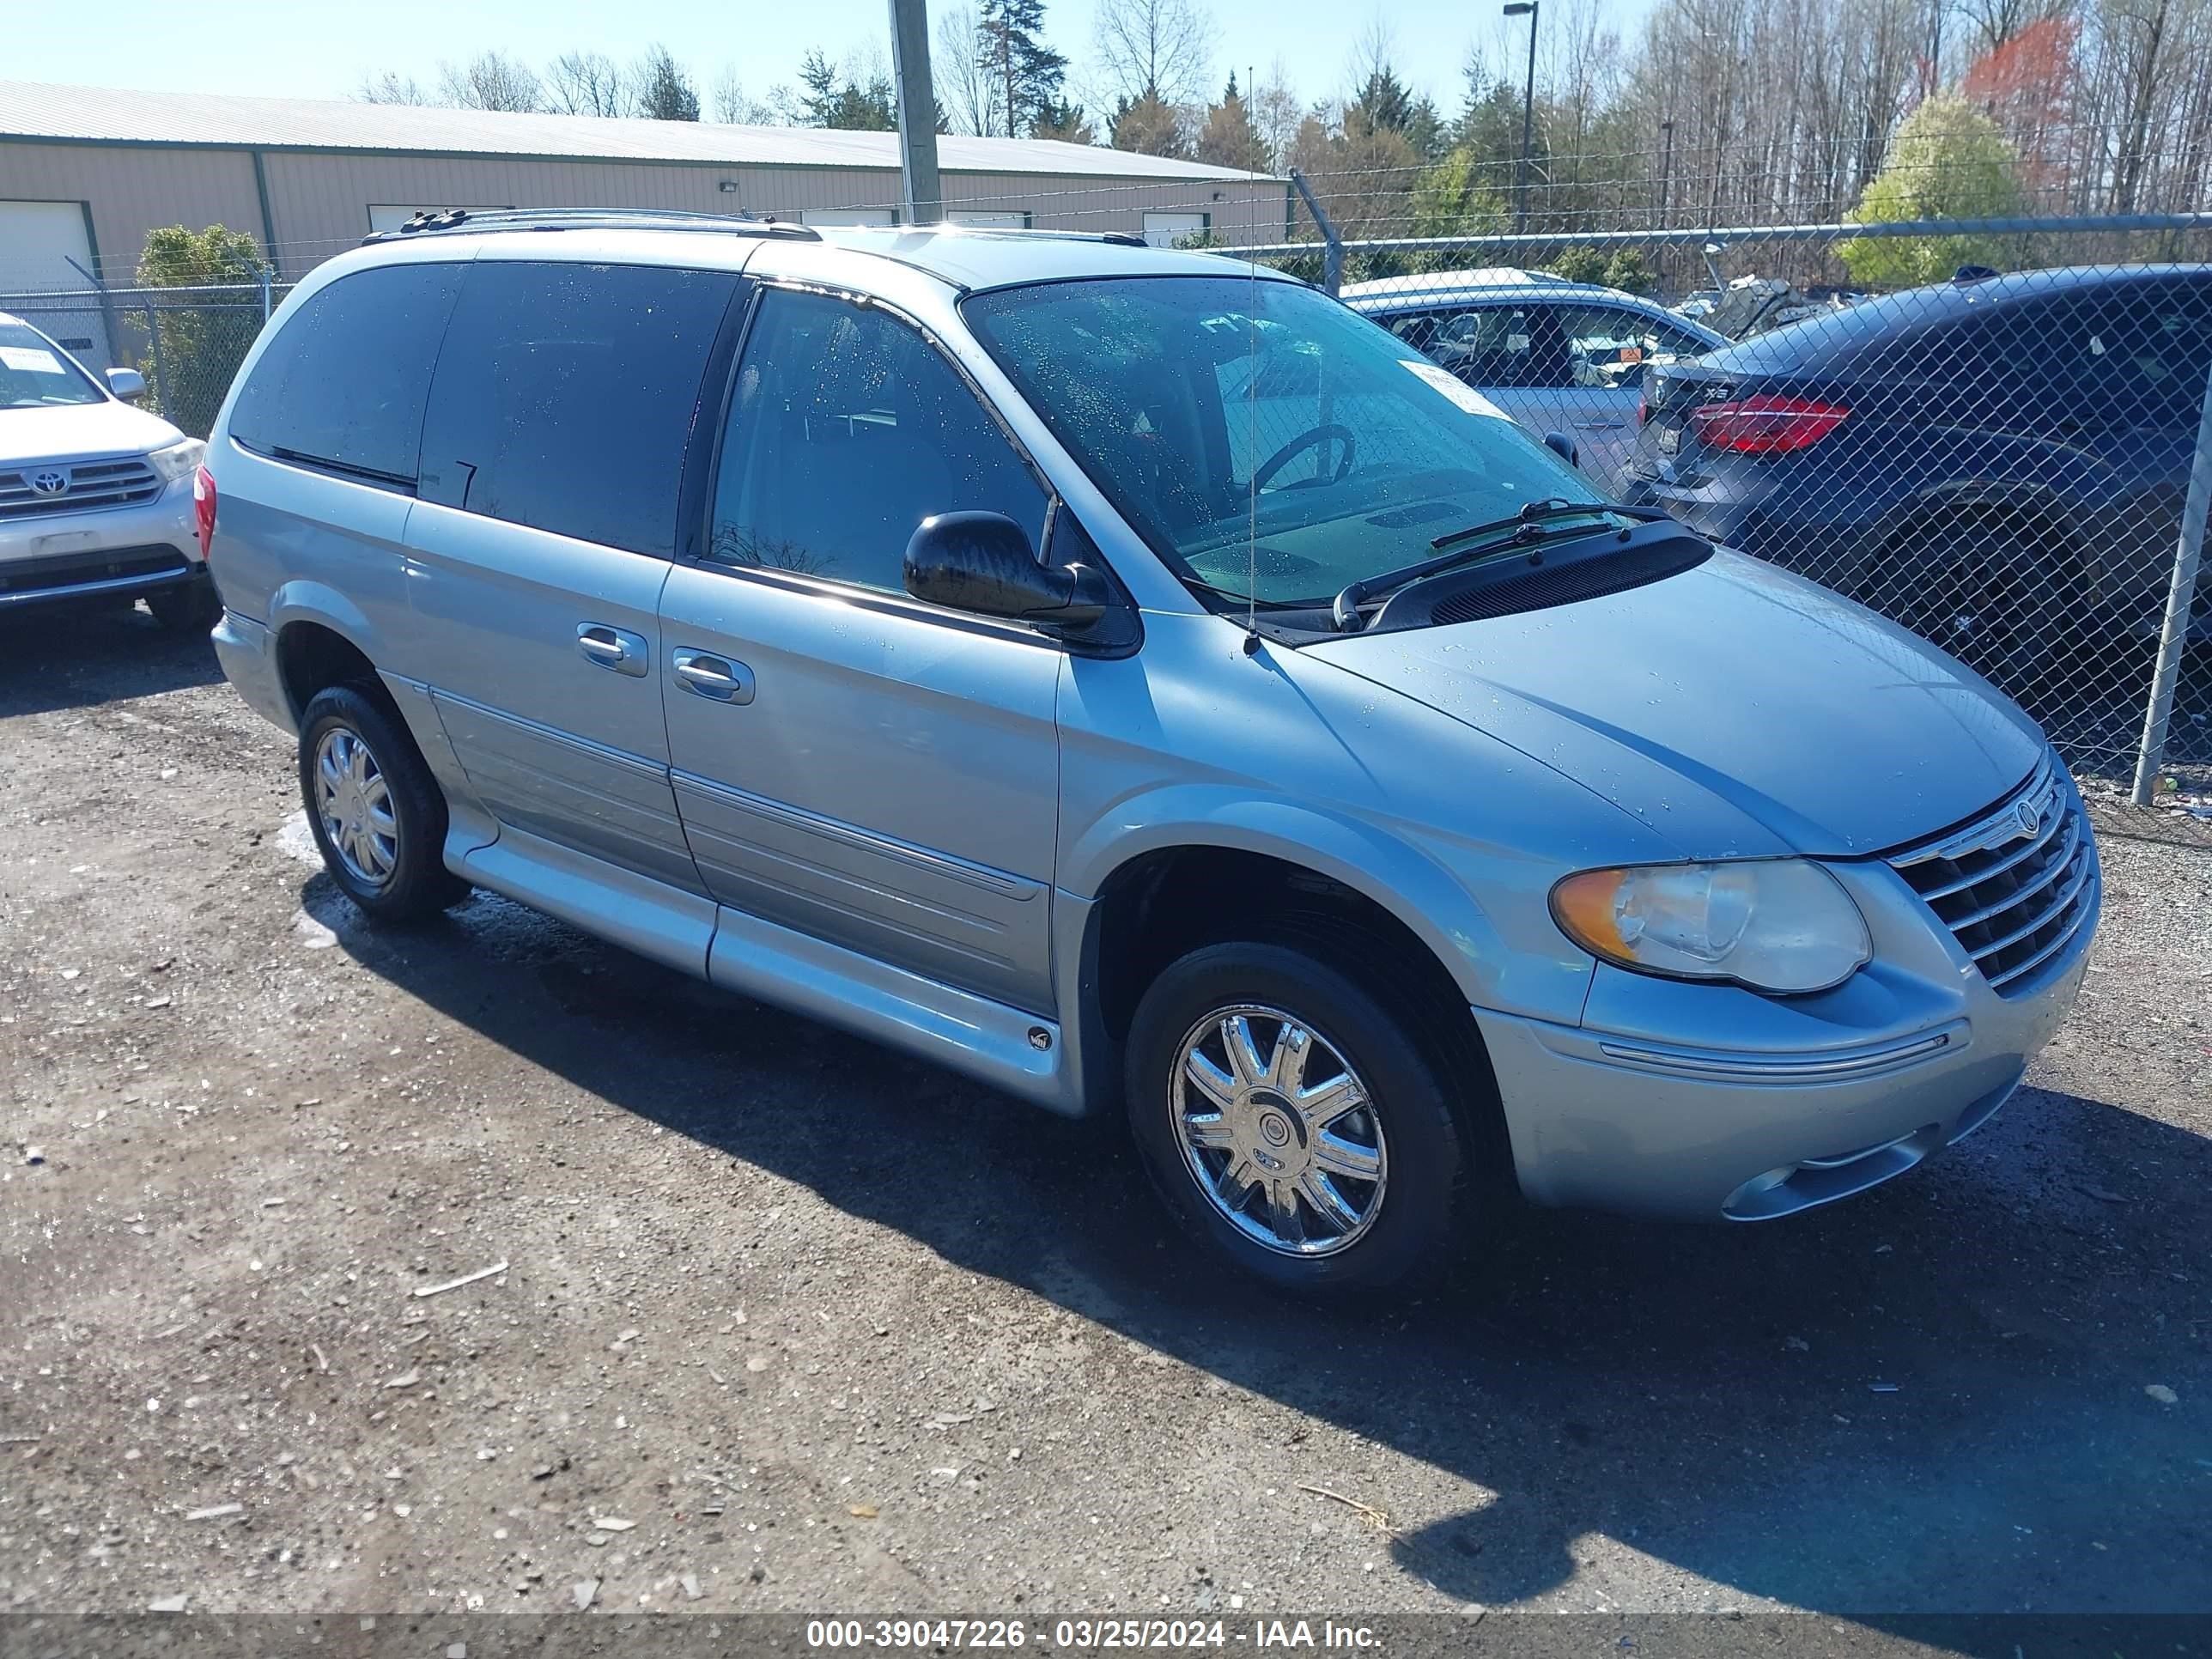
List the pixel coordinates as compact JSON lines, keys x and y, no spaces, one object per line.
{"x":124,"y":481}
{"x":2017,"y":885}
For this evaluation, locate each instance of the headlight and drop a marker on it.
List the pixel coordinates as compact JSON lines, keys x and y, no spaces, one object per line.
{"x":1772,"y":924}
{"x":178,"y":460}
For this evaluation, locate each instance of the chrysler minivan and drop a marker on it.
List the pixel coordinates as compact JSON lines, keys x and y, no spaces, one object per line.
{"x":1135,"y":680}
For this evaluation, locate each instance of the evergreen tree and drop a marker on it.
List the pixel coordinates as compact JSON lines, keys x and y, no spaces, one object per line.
{"x":1027,"y":74}
{"x":827,"y":100}
{"x":1150,"y":126}
{"x":1064,"y":121}
{"x":1229,"y":138}
{"x":665,"y":91}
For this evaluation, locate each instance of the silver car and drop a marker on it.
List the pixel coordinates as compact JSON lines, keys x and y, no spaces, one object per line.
{"x":96,"y":497}
{"x":964,"y":638}
{"x":1555,"y":355}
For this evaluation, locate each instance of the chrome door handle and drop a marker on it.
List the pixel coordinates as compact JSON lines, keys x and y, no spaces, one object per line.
{"x":717,"y":678}
{"x":614,"y":648}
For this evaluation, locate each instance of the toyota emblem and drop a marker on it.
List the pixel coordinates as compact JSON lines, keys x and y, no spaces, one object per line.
{"x":51,"y":482}
{"x":2030,"y":819}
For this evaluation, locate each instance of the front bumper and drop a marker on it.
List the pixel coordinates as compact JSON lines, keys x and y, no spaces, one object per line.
{"x":101,"y":551}
{"x":1707,"y":1102}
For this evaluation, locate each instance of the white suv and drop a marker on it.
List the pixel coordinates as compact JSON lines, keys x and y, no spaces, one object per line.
{"x":96,"y":497}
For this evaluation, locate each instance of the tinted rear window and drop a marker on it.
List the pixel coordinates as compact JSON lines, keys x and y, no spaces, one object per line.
{"x":343,"y":383}
{"x":565,"y":395}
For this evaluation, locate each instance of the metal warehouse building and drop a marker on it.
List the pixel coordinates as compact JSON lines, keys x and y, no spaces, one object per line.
{"x":85,"y":171}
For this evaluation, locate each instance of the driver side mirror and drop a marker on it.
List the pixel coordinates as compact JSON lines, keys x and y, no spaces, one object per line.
{"x":982,"y":563}
{"x":127,"y":384}
{"x":1563,"y":447}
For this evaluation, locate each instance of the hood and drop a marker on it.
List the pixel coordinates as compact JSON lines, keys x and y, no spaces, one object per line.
{"x":1736,"y":709}
{"x":80,"y":432}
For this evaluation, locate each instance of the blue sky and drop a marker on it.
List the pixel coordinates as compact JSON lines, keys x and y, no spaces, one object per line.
{"x":320,"y":49}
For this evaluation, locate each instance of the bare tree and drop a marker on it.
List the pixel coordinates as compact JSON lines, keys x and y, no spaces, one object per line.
{"x":491,"y":80}
{"x":1157,"y":49}
{"x":393,"y":88}
{"x":967,"y":91}
{"x":1996,"y":21}
{"x":1276,"y":113}
{"x":589,"y":83}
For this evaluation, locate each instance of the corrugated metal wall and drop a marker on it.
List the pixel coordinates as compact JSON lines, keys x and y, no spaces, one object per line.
{"x":131,"y":192}
{"x":319,"y":201}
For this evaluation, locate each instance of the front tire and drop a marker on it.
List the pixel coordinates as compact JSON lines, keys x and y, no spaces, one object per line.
{"x":378,"y":816}
{"x":1290,"y":1122}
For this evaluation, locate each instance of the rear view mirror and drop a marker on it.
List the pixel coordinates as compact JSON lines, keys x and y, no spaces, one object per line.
{"x":982,"y":563}
{"x":1563,"y":447}
{"x":126,"y":383}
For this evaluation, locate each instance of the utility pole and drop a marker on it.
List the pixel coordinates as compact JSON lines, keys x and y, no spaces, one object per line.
{"x":1666,"y":169}
{"x":1527,"y":9}
{"x":921,"y":200}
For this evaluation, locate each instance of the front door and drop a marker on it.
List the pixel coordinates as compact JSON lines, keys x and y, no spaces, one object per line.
{"x":848,"y":761}
{"x":553,"y":452}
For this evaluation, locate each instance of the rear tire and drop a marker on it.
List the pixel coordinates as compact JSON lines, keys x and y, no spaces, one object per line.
{"x":185,"y":607}
{"x":1990,"y":594}
{"x":1291,"y":1124}
{"x":377,"y":814}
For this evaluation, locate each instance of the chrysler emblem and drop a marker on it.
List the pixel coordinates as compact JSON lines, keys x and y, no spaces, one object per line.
{"x":2030,"y":819}
{"x":51,"y":482}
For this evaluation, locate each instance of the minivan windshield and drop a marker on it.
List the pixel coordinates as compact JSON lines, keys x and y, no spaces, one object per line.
{"x":1266,"y":441}
{"x":35,"y":374}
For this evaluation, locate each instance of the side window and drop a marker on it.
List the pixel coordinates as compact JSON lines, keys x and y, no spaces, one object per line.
{"x":2141,"y":352}
{"x":1486,"y":345}
{"x":847,"y":429}
{"x":1608,"y":345}
{"x":343,"y":383}
{"x":566,"y":393}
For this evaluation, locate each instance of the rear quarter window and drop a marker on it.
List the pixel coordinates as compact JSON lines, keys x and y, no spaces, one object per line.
{"x":566,"y":394}
{"x":344,"y":382}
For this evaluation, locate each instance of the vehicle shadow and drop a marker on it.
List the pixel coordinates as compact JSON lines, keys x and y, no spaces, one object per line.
{"x":1717,"y":1399}
{"x":69,"y":656}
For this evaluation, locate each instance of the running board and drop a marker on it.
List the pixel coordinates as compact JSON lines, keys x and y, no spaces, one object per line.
{"x":662,"y":923}
{"x":1003,"y":1047}
{"x":988,"y":1040}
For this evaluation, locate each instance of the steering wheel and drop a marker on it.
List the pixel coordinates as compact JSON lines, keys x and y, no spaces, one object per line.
{"x":1329,"y":433}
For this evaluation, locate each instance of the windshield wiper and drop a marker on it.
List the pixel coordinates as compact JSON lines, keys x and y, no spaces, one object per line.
{"x":1526,"y":526}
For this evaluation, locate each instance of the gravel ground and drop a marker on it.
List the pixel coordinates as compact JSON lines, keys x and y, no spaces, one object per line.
{"x":782,"y":1320}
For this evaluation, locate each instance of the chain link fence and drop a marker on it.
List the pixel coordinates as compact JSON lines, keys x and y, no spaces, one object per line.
{"x":2004,"y":444}
{"x":186,"y":342}
{"x":2014,"y":465}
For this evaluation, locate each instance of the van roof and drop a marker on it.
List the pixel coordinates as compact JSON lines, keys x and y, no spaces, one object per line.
{"x":965,"y":257}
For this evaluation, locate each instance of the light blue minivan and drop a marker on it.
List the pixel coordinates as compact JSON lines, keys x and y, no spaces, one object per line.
{"x":1139,"y":681}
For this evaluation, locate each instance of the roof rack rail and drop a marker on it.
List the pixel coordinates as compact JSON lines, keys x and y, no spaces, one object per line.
{"x":520,"y":219}
{"x":1033,"y":233}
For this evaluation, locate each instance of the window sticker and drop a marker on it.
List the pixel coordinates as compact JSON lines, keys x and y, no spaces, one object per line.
{"x":1455,"y":389}
{"x":30,"y":359}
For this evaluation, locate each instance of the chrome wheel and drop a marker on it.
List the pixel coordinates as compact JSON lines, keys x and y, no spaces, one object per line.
{"x":353,"y":799}
{"x":1279,"y":1131}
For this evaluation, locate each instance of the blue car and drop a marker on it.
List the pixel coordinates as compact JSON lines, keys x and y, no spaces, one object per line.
{"x":1998,"y":462}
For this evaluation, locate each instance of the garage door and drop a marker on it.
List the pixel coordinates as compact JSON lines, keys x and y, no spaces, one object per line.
{"x":1164,"y":229}
{"x":37,"y":239}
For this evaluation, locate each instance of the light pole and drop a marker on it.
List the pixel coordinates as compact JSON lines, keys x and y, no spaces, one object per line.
{"x":1527,"y":9}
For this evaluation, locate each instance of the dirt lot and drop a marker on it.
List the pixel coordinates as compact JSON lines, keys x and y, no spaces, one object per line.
{"x":794,"y":1323}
